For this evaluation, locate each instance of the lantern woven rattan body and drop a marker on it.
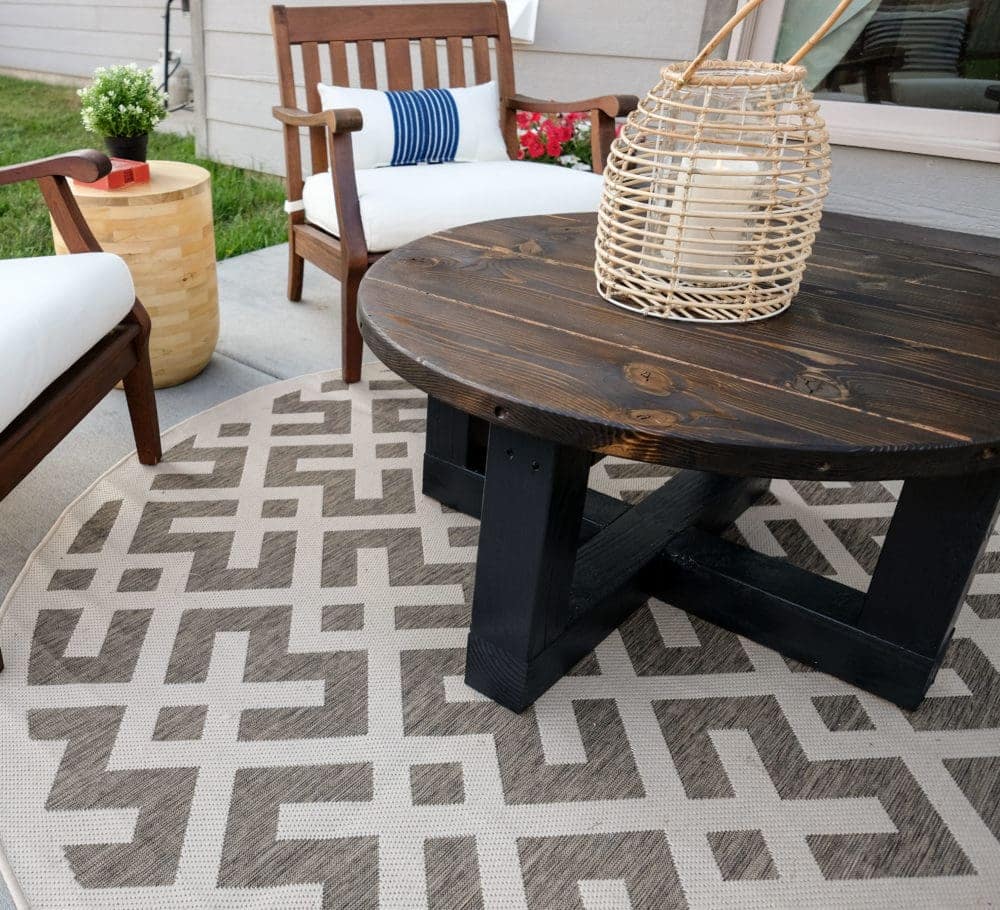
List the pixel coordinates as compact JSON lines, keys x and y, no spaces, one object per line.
{"x":713,"y":192}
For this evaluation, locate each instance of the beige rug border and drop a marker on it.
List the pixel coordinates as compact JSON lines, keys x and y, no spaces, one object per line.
{"x":6,"y":871}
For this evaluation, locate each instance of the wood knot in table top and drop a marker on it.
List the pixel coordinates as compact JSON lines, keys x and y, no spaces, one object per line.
{"x":649,"y":417}
{"x":819,"y":385}
{"x":649,"y":378}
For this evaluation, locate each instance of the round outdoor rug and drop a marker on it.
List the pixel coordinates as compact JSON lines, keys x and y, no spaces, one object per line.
{"x":235,"y":681}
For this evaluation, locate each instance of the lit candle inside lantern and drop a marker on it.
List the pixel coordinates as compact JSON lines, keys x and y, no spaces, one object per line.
{"x":708,"y":227}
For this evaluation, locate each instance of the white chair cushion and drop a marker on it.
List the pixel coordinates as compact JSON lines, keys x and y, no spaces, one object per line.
{"x":53,"y":309}
{"x":400,"y":204}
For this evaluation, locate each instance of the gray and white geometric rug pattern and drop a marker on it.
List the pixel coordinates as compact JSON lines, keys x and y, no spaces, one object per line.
{"x":235,"y":681}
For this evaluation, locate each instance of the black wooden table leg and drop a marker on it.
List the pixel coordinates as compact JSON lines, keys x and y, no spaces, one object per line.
{"x":532,"y":511}
{"x":449,"y":433}
{"x":936,"y":537}
{"x":455,"y":457}
{"x":547,"y":594}
{"x":455,"y":468}
{"x":889,"y":641}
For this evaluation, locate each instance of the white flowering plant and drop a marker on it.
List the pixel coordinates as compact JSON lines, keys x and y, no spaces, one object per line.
{"x":122,"y":101}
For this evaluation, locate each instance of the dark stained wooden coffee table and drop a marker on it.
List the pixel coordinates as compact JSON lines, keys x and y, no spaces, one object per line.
{"x":886,"y":366}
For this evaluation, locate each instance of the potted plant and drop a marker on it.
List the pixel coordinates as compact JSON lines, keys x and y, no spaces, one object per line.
{"x":122,"y":104}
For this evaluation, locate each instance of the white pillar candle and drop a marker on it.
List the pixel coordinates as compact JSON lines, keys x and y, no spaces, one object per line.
{"x":707,"y":216}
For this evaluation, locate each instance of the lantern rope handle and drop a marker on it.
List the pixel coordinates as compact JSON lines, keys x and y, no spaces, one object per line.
{"x":740,"y":15}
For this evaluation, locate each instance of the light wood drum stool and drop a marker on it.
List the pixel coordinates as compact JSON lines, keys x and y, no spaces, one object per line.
{"x":163,"y":230}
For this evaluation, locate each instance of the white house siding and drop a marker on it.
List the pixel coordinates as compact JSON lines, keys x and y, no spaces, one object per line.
{"x":69,"y":38}
{"x":918,"y":189}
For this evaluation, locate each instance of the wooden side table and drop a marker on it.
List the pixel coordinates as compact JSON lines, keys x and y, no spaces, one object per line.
{"x":164,"y":231}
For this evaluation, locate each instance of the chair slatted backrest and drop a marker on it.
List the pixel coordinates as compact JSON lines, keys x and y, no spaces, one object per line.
{"x":377,"y":47}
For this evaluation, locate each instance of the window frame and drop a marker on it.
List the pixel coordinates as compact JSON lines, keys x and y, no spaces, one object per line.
{"x":971,"y":135}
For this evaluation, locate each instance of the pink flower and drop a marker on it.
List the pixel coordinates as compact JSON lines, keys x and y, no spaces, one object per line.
{"x":532,"y":145}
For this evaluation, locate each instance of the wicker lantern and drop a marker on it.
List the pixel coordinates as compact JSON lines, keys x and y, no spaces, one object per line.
{"x":714,"y":190}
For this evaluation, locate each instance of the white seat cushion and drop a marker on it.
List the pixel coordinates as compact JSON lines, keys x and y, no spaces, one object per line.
{"x":400,"y":204}
{"x":53,"y":309}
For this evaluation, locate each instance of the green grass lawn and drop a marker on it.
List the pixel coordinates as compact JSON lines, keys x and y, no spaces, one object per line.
{"x":41,"y":120}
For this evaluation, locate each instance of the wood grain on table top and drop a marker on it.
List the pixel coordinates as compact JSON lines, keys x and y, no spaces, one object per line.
{"x":886,"y":365}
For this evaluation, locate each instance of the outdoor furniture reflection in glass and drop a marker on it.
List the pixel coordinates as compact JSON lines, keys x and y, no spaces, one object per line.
{"x":917,"y":53}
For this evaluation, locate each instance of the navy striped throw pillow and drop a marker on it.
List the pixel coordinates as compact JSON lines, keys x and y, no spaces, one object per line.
{"x":425,"y":125}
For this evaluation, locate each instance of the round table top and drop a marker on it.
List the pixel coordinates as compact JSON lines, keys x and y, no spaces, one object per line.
{"x":887,"y":364}
{"x":167,"y":180}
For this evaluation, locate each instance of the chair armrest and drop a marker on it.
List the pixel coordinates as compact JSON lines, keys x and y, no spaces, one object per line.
{"x":339,"y":123}
{"x":611,"y":105}
{"x":341,"y":120}
{"x":86,"y":165}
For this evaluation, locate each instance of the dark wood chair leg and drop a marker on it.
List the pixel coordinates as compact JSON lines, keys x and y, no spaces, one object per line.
{"x":351,"y":342}
{"x":141,"y":399}
{"x":296,"y":268}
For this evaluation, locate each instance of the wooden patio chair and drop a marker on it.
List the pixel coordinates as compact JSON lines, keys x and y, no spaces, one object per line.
{"x":70,"y":329}
{"x":336,"y":42}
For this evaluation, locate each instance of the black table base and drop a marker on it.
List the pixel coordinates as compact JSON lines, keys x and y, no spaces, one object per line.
{"x":561,"y":566}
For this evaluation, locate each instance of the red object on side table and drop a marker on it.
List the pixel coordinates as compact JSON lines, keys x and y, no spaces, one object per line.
{"x":123,"y":173}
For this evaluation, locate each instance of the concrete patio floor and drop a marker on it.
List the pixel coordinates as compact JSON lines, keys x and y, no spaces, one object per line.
{"x":263,"y":338}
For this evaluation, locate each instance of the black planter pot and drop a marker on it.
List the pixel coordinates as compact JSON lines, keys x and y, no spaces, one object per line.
{"x":131,"y":147}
